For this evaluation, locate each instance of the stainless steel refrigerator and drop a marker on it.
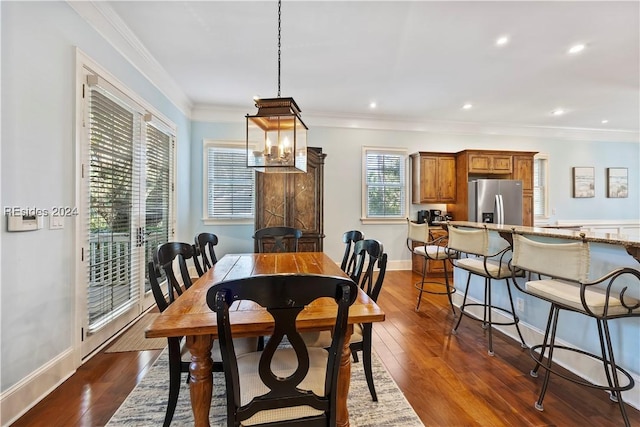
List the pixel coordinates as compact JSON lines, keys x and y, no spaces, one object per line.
{"x":497,"y":201}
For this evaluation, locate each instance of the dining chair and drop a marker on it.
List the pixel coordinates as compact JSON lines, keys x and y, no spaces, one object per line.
{"x":559,"y":274}
{"x":349,"y":238}
{"x":477,"y":257}
{"x":179,"y":356}
{"x":369,"y":253}
{"x":277,"y":239}
{"x":206,"y":242}
{"x":285,"y":384}
{"x":165,"y":256}
{"x":421,"y":243}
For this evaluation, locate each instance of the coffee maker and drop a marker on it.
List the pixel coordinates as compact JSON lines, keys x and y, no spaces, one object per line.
{"x":435,"y":215}
{"x":423,"y":216}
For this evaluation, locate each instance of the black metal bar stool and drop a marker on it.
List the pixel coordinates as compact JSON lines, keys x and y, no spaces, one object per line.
{"x":421,"y":243}
{"x":559,"y":274}
{"x":476,"y":258}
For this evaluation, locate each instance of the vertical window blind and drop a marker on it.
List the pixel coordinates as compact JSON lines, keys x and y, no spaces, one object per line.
{"x":229,"y":183}
{"x":385,"y":184}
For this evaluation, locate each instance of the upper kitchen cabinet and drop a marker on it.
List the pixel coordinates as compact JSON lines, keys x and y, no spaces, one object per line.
{"x":490,"y":162}
{"x":433,"y":177}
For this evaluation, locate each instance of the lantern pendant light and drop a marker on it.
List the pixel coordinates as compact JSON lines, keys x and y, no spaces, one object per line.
{"x":276,"y":135}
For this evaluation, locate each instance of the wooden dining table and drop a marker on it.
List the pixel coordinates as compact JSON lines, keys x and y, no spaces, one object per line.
{"x":190,"y":316}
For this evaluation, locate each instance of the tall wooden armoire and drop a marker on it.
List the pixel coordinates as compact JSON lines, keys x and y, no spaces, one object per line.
{"x":294,"y":200}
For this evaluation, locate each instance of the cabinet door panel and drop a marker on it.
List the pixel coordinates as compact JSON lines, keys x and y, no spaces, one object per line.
{"x":428,"y":179}
{"x":447,"y":179}
{"x":501,"y":164}
{"x":305,"y":202}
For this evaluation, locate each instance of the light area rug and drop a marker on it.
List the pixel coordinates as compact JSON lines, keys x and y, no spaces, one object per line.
{"x":133,"y":339}
{"x":146,"y":404}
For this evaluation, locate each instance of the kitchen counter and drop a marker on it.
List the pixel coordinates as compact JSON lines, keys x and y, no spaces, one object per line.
{"x":631,"y":243}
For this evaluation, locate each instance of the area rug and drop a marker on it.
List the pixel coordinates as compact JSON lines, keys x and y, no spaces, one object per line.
{"x":133,"y":339}
{"x":146,"y":404}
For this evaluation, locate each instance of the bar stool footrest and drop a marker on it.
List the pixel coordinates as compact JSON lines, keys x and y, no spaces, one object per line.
{"x":472,"y":316}
{"x":536,"y":357}
{"x":449,"y":289}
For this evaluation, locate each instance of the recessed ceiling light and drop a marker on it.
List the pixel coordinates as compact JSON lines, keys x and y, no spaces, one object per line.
{"x":576,"y":48}
{"x":467,"y":106}
{"x":557,"y":112}
{"x":502,"y":40}
{"x":605,"y":121}
{"x":372,"y":105}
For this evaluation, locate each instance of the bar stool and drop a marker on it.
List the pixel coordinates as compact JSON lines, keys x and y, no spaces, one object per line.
{"x":476,"y":258}
{"x":430,"y":250}
{"x":565,"y":267}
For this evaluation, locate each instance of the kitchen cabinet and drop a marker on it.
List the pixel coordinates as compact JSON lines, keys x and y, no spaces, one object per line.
{"x":496,"y":164}
{"x":294,"y":200}
{"x":434,"y":268}
{"x":433,"y":178}
{"x":490,"y":163}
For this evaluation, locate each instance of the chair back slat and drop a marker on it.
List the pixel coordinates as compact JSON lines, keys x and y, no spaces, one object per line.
{"x":349,"y":238}
{"x":475,"y":242}
{"x":206,"y":243}
{"x":280,"y":239}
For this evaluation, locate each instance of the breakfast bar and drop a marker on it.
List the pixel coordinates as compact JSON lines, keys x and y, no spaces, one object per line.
{"x":607,"y":252}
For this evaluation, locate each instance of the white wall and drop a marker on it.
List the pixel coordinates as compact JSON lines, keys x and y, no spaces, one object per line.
{"x":37,"y":309}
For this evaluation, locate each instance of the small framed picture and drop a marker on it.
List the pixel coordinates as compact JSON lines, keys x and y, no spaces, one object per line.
{"x":583,"y":182}
{"x":617,"y":182}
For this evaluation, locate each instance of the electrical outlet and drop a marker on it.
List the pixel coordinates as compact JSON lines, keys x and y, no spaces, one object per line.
{"x":520,"y":304}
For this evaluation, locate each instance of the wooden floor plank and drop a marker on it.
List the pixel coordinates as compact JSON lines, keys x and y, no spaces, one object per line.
{"x":450,"y":380}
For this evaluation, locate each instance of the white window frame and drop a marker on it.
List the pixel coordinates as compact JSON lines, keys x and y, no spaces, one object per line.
{"x":401,"y":219}
{"x":208,"y":143}
{"x":544,"y":157}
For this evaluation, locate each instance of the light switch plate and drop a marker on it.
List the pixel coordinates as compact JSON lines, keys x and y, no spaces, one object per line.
{"x":56,"y":222}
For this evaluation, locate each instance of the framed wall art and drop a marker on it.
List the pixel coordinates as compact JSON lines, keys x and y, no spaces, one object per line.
{"x":617,"y":182}
{"x":583,"y":182}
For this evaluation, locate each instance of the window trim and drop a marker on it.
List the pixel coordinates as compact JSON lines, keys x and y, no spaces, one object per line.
{"x":206,"y":220}
{"x":545,"y":216}
{"x":364,"y":219}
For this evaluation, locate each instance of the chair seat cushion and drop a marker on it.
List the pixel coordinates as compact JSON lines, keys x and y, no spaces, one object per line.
{"x":568,"y":294}
{"x":323,"y":338}
{"x":477,"y":266}
{"x":284,"y":364}
{"x":432,"y":251}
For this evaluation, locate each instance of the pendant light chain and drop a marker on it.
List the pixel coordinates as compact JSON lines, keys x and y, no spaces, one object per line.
{"x":279,"y":43}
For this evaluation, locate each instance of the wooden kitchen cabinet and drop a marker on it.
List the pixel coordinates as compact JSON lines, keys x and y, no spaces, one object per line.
{"x":433,"y":178}
{"x":496,"y":164}
{"x":294,"y":200}
{"x":434,"y":268}
{"x":491,"y":163}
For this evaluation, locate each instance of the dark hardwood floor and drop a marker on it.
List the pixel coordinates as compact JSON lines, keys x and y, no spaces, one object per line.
{"x":449,"y":380}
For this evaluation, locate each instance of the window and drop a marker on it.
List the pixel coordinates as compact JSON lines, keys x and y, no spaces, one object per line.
{"x":126,"y":201}
{"x":540,"y":186}
{"x":384,"y":190}
{"x":229,"y":183}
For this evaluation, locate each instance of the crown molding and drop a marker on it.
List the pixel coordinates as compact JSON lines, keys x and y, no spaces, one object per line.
{"x":209,"y":113}
{"x":101,"y":16}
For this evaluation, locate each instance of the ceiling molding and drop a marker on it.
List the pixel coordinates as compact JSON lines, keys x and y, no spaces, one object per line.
{"x":109,"y":25}
{"x":207,"y":113}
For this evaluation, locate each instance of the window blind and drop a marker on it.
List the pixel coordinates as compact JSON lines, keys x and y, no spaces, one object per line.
{"x":159,"y":149}
{"x":230,"y":184}
{"x":113,"y":130}
{"x":385,"y":184}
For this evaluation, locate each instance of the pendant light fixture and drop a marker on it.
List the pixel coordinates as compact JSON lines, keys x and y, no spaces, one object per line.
{"x":276,"y":135}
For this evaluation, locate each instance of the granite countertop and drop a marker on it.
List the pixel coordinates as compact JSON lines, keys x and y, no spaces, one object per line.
{"x":630,"y":242}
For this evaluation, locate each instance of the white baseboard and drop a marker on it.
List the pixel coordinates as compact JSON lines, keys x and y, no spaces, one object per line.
{"x":582,"y":366}
{"x":18,"y":399}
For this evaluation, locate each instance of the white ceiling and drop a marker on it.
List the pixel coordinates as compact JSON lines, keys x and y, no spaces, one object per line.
{"x":420,"y":61}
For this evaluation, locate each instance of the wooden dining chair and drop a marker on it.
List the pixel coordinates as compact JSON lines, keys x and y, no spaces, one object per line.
{"x":277,"y":239}
{"x":285,"y":384}
{"x":165,"y":256}
{"x":349,"y":238}
{"x":206,"y":242}
{"x":368,"y":254}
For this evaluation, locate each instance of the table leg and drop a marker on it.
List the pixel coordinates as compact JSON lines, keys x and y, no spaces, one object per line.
{"x":344,"y":379}
{"x":200,"y":377}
